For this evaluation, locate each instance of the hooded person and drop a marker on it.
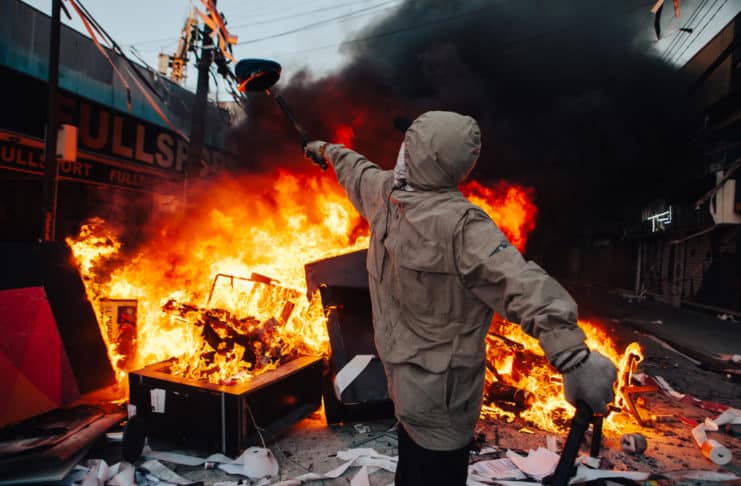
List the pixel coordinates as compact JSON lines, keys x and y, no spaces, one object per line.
{"x":438,"y":268}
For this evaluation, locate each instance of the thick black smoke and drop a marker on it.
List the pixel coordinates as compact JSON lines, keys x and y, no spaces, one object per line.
{"x":570,"y":97}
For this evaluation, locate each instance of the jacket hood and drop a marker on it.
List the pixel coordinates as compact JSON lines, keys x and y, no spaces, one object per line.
{"x":442,"y":148}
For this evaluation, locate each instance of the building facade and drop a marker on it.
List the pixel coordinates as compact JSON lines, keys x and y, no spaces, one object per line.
{"x":129,"y":162}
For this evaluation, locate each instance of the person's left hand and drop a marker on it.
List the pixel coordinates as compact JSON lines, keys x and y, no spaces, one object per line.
{"x":591,"y":383}
{"x":315,"y":152}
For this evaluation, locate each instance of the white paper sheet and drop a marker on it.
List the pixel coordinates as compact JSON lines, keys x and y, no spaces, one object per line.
{"x":538,"y":463}
{"x":496,"y":469}
{"x":157,"y":399}
{"x":584,"y":474}
{"x":361,"y":478}
{"x":730,"y":416}
{"x":164,"y":473}
{"x":125,"y":476}
{"x":668,"y":388}
{"x":184,"y":459}
{"x":355,"y":457}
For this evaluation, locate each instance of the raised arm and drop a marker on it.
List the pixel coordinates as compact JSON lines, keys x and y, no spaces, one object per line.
{"x":363,"y":180}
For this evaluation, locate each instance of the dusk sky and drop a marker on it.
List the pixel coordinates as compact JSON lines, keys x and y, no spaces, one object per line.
{"x":299,"y":33}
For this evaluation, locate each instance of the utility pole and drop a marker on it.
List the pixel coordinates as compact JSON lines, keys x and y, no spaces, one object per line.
{"x":198,"y":118}
{"x":51,"y":184}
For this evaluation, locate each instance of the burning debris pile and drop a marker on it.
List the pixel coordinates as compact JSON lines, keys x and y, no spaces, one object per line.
{"x":234,"y":348}
{"x":244,"y":323}
{"x":521,"y":383}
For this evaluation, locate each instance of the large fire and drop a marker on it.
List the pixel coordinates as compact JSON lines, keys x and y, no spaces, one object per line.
{"x":221,"y":292}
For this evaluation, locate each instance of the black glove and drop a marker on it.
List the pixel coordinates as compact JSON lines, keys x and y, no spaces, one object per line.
{"x":591,"y":381}
{"x":315,"y":152}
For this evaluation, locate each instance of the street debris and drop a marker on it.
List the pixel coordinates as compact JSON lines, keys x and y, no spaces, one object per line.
{"x":538,"y":463}
{"x":634,"y":443}
{"x":502,"y":468}
{"x":156,"y":472}
{"x":551,"y":443}
{"x":711,"y":448}
{"x":259,"y":463}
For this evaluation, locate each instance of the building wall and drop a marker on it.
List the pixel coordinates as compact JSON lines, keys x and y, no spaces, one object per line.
{"x":129,"y":164}
{"x":24,"y":46}
{"x":705,"y":269}
{"x":719,"y":83}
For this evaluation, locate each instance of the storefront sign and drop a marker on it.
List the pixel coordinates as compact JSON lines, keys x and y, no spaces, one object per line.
{"x":659,"y":221}
{"x":27,"y":155}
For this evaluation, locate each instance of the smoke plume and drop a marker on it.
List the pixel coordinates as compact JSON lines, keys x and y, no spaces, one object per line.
{"x":570,"y":97}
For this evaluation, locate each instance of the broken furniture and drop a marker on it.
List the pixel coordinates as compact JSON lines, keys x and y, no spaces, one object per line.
{"x":343,"y":284}
{"x":225,"y":418}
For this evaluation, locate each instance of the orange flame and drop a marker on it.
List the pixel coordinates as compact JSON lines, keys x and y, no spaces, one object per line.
{"x":234,"y":266}
{"x":509,"y":205}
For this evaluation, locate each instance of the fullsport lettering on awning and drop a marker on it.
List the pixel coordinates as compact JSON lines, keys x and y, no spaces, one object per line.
{"x":26,"y":154}
{"x":114,"y":147}
{"x":111,"y":133}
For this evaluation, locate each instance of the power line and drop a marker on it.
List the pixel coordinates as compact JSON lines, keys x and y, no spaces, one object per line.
{"x":268,"y":9}
{"x":162,"y":39}
{"x":679,"y":39}
{"x":299,"y":14}
{"x":365,"y":11}
{"x":702,"y":13}
{"x":701,"y":30}
{"x":512,"y":43}
{"x":278,"y":19}
{"x":430,"y":23}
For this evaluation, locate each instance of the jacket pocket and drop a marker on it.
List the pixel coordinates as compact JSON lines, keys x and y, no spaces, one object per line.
{"x":425,"y":279}
{"x":419,"y":396}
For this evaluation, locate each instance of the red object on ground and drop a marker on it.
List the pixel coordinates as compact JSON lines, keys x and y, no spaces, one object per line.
{"x":35,"y":372}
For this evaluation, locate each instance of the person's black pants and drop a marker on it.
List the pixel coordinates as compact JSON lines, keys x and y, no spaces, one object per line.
{"x":418,"y":466}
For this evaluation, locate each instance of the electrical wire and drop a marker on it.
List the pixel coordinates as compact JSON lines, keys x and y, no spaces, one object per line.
{"x":701,"y":16}
{"x":117,"y":49}
{"x":450,"y":18}
{"x":268,"y":9}
{"x":299,"y":14}
{"x":258,"y":429}
{"x":263,"y":22}
{"x":141,"y":82}
{"x":680,"y":42}
{"x":677,"y":40}
{"x":162,"y":39}
{"x":314,"y":25}
{"x":681,"y":54}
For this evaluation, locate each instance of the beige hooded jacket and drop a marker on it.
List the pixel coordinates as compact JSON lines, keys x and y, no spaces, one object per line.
{"x":438,"y":268}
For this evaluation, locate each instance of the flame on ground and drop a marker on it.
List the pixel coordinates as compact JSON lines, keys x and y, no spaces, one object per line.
{"x":221,"y":291}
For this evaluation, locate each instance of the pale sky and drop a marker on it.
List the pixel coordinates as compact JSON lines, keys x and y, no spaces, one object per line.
{"x":154,"y":26}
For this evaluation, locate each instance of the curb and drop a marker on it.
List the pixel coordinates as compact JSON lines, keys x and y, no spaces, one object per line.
{"x":707,"y":362}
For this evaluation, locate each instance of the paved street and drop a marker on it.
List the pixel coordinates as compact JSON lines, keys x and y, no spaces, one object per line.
{"x":311,"y":446}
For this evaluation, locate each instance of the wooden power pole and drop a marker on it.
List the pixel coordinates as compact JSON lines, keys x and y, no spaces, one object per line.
{"x":198,"y":118}
{"x":51,"y":183}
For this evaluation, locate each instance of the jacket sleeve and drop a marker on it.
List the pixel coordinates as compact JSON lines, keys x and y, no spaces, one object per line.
{"x":521,"y":291}
{"x":363,"y":180}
